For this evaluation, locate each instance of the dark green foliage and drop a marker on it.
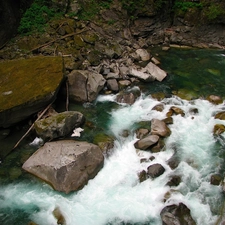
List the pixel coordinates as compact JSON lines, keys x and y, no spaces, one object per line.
{"x":131,"y":6}
{"x":89,"y":10}
{"x":214,"y":11}
{"x":184,"y":6}
{"x":36,"y":17}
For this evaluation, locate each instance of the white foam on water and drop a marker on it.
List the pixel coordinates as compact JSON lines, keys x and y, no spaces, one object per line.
{"x":115,"y":194}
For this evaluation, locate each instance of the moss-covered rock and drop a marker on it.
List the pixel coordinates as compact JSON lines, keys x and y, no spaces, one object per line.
{"x":28,"y":85}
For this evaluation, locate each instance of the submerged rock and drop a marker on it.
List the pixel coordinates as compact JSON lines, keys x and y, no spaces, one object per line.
{"x":27,"y":86}
{"x":177,"y":215}
{"x":67,"y":165}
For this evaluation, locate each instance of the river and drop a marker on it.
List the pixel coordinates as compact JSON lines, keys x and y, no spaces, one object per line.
{"x":115,"y":196}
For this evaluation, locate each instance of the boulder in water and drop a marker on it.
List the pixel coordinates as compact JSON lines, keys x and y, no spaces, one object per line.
{"x":215,"y":99}
{"x":177,"y":215}
{"x":147,"y":142}
{"x":159,"y":127}
{"x":67,"y":165}
{"x":155,"y":170}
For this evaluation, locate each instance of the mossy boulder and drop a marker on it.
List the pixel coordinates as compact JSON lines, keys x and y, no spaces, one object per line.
{"x":27,"y":86}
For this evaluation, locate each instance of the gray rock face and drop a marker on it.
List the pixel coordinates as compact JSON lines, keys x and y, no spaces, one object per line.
{"x":85,"y":85}
{"x":58,"y":125}
{"x":177,"y":215}
{"x":67,"y":165}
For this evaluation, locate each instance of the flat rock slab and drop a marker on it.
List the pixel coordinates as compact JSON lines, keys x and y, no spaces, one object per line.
{"x":26,"y":86}
{"x":67,"y":165}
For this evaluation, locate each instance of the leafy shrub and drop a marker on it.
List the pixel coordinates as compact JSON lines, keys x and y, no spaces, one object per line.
{"x":184,"y":6}
{"x":213,"y":12}
{"x":36,"y":17}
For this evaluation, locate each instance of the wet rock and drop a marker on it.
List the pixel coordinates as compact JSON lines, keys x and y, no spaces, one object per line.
{"x":58,"y":125}
{"x":141,"y":133}
{"x":155,"y":170}
{"x":105,"y":142}
{"x":168,"y":120}
{"x":175,"y":110}
{"x":216,"y":179}
{"x":84,"y":85}
{"x":159,"y":127}
{"x":220,"y":115}
{"x":159,"y":146}
{"x":215,"y":99}
{"x":174,"y":161}
{"x":27,"y":86}
{"x":159,"y":107}
{"x":218,"y":129}
{"x":177,"y":215}
{"x":146,"y":142}
{"x":174,"y":181}
{"x":59,"y":216}
{"x":67,"y":165}
{"x":128,"y":96}
{"x":142,"y":176}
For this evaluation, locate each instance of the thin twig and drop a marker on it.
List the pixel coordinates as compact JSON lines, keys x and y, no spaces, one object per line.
{"x":67,"y":96}
{"x":39,"y":117}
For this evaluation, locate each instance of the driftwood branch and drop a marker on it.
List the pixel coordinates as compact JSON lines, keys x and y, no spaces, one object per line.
{"x":57,"y":39}
{"x":39,"y":117}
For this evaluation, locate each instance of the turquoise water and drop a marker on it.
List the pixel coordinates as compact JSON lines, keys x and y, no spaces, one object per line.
{"x":115,"y":196}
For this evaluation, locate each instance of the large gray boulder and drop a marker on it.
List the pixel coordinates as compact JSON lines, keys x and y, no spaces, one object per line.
{"x":84,"y":85}
{"x":58,"y":124}
{"x":66,"y":165}
{"x":155,"y":71}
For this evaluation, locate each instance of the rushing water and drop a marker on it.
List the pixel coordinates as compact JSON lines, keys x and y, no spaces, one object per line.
{"x":115,"y":196}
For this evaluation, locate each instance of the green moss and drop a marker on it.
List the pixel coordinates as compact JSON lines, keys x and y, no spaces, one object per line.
{"x":26,"y":80}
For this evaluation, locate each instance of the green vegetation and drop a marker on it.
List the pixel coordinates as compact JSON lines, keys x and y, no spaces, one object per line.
{"x":132,"y":6}
{"x":184,"y":6}
{"x":36,"y":17}
{"x":89,"y":10}
{"x":214,"y":11}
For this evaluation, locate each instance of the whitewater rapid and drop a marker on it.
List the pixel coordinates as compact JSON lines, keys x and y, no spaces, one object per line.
{"x":115,"y":195}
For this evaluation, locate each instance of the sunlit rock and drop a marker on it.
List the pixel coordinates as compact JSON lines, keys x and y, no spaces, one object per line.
{"x":142,"y":132}
{"x":144,"y":76}
{"x":143,"y":54}
{"x":155,"y":71}
{"x":112,"y":85}
{"x":59,"y":216}
{"x":155,"y":170}
{"x":146,"y":142}
{"x":175,"y":110}
{"x":67,"y":165}
{"x":177,"y":215}
{"x":27,"y":86}
{"x":215,"y":99}
{"x":218,"y":129}
{"x":159,"y":127}
{"x":58,"y":125}
{"x":220,"y":115}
